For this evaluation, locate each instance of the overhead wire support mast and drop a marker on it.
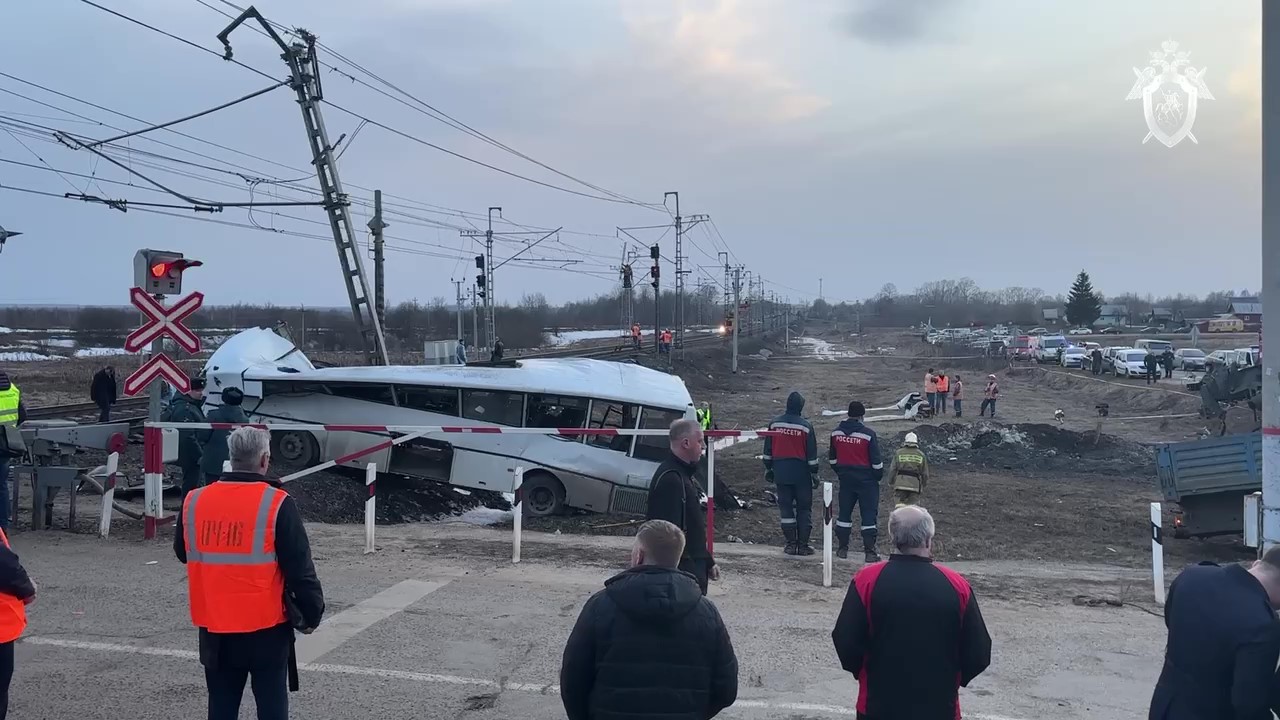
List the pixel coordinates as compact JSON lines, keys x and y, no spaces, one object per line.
{"x":305,"y":80}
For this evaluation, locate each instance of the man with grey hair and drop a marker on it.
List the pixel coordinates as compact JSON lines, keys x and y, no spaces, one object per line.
{"x":674,"y":496}
{"x":910,"y":630}
{"x":649,"y":645}
{"x":250,"y":580}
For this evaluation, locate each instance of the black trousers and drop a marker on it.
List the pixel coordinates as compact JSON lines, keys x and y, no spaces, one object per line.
{"x":104,"y":412}
{"x":865,"y":494}
{"x":795,"y":508}
{"x":696,"y":567}
{"x":6,"y":675}
{"x":270,"y":691}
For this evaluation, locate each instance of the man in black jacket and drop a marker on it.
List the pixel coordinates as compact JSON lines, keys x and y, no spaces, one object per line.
{"x":102,"y":391}
{"x":649,"y":645}
{"x":854,"y":454}
{"x":1224,"y":640}
{"x":910,"y":630}
{"x":266,"y":655}
{"x":676,"y":498}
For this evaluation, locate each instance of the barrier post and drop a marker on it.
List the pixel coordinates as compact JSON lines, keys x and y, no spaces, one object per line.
{"x":826,"y":534}
{"x":108,"y":494}
{"x":152,"y":480}
{"x":1157,"y":552}
{"x":517,"y":516}
{"x":711,"y":498}
{"x":371,"y":483}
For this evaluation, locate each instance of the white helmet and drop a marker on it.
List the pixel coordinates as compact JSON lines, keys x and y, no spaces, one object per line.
{"x":911,"y":439}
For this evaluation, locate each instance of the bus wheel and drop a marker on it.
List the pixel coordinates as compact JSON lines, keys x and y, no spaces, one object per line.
{"x":543,"y":494}
{"x":294,"y":448}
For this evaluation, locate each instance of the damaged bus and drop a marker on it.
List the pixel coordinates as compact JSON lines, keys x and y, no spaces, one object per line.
{"x":597,"y":473}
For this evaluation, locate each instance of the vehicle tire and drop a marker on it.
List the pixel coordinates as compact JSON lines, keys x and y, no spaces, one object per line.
{"x":295,"y":449}
{"x":543,"y":494}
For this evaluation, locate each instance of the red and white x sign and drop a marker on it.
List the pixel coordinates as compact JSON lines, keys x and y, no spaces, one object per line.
{"x":159,"y":367}
{"x":162,"y":321}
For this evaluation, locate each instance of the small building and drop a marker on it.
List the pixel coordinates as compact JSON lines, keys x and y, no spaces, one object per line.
{"x":1163,"y":317}
{"x":1051,"y":316}
{"x":1248,"y":309}
{"x":1113,"y":316}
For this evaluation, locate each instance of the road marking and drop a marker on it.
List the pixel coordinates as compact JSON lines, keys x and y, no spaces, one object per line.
{"x":340,"y":628}
{"x":434,"y":678}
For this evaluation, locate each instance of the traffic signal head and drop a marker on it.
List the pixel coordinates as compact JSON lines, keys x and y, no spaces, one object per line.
{"x":480,"y":262}
{"x":159,"y":272}
{"x":654,"y":252}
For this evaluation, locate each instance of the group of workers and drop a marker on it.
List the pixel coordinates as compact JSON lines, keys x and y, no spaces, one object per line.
{"x":938,"y":387}
{"x":664,"y":339}
{"x":791,"y":465}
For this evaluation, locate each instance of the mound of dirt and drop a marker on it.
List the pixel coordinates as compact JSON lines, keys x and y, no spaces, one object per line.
{"x":338,"y":497}
{"x":1032,"y":448}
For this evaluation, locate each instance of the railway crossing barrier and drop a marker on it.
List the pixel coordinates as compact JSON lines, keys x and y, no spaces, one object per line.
{"x":108,"y":494}
{"x":827,"y":516}
{"x":1157,"y":552}
{"x":153,"y":466}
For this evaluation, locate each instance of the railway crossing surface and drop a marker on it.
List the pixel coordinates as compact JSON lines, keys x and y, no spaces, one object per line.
{"x":438,"y":623}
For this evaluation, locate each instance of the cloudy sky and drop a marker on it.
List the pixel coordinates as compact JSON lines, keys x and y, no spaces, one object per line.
{"x":861,"y":141}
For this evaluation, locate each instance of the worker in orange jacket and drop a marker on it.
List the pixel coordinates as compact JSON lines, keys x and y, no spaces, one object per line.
{"x":944,"y":390}
{"x":250,"y":579}
{"x":16,"y":593}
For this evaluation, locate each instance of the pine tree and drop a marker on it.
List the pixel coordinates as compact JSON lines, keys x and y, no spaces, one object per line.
{"x":1083,"y":304}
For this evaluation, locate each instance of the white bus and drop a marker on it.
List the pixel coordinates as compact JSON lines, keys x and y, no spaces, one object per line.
{"x":599,"y":473}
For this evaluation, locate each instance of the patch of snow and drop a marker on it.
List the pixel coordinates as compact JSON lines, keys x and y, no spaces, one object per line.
{"x":24,"y":356}
{"x":101,"y":352}
{"x":834,"y":413}
{"x":569,"y":337}
{"x":61,"y":342}
{"x":4,"y":329}
{"x":36,"y":330}
{"x":485,"y":516}
{"x":823,"y":349}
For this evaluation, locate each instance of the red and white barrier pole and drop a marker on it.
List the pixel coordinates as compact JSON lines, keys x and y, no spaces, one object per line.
{"x":152,"y":480}
{"x":826,"y":534}
{"x":371,"y":484}
{"x":108,"y":494}
{"x":517,"y":510}
{"x":711,"y":499}
{"x":1157,"y":552}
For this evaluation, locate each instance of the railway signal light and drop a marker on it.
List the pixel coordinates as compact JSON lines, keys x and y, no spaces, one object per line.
{"x":654,"y":271}
{"x":480,"y":285}
{"x":159,"y":272}
{"x":654,"y":252}
{"x":479,"y":262}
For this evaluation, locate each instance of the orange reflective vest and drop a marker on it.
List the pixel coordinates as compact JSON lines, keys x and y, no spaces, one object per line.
{"x":944,"y":384}
{"x":233,"y":580}
{"x":635,"y":331}
{"x":13,"y":612}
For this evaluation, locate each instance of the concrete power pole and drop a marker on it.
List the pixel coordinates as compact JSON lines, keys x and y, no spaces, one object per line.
{"x":376,"y":226}
{"x":737,"y":312}
{"x":678,"y":339}
{"x":1270,"y":274}
{"x":475,"y":330}
{"x":457,"y":288}
{"x":304,"y":69}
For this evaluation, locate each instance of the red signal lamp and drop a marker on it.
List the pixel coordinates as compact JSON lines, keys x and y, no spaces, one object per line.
{"x":162,"y":269}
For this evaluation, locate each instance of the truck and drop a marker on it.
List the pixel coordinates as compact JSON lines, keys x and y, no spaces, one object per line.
{"x":1208,"y":480}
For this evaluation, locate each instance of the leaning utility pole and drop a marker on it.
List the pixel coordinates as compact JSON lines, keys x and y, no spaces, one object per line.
{"x":737,"y":312}
{"x":1270,"y":275}
{"x":379,"y":260}
{"x":305,"y":71}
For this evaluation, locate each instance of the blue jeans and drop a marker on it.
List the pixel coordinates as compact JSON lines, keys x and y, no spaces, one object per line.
{"x":5,"y":510}
{"x":957,"y":403}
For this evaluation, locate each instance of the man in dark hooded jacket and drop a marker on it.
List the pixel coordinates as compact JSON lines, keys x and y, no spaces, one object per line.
{"x":649,"y":645}
{"x":791,"y":463}
{"x":188,"y":408}
{"x":213,"y":443}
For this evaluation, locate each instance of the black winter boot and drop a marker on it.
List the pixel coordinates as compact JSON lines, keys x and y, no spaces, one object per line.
{"x":789,"y":532}
{"x":802,"y":541}
{"x":869,"y":549}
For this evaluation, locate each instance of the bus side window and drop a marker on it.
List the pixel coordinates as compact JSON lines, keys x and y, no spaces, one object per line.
{"x":605,"y":414}
{"x":442,"y":401}
{"x":556,"y":411}
{"x":655,"y":447}
{"x":493,"y":406}
{"x":370,"y":392}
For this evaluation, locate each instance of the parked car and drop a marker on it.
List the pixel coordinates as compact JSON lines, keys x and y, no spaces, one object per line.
{"x":1150,"y":331}
{"x":1156,"y":347}
{"x":1045,"y":347}
{"x":1110,"y":330}
{"x":1090,"y":346}
{"x":1073,"y":357}
{"x":1129,"y":363}
{"x":1037,"y":331}
{"x":1189,"y":359}
{"x":1080,"y":331}
{"x":1109,"y":357}
{"x":1220,"y":357}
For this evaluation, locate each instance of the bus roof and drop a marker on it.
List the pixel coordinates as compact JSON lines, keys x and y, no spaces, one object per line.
{"x":260,"y":354}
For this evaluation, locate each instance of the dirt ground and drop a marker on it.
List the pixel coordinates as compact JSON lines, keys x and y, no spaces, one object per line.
{"x":1023,"y":487}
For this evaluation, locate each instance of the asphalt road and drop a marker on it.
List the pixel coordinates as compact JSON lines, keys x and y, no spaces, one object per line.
{"x":439,"y":624}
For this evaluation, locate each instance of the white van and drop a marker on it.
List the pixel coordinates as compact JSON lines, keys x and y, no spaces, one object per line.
{"x":1044,"y":348}
{"x":1154,"y":347}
